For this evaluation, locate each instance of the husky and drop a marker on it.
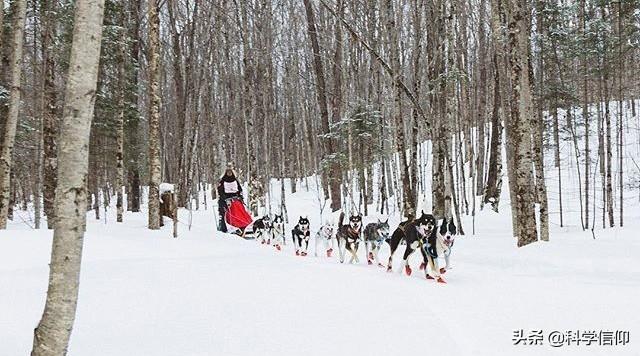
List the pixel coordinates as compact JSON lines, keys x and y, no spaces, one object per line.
{"x":277,"y":232}
{"x":375,"y":234}
{"x":325,"y":236}
{"x":415,"y":233}
{"x":300,"y":235}
{"x":349,"y":236}
{"x":262,"y":229}
{"x":439,"y":243}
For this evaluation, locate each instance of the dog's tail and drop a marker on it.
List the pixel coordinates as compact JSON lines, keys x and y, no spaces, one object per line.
{"x":341,"y":219}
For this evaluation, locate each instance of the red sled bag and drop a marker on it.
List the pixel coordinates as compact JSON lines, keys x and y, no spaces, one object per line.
{"x":237,"y":215}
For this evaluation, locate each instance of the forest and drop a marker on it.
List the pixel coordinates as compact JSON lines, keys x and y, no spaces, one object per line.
{"x":103,"y":101}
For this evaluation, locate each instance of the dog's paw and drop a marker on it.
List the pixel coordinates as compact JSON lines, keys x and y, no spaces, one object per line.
{"x":407,"y":270}
{"x":441,"y":280}
{"x":443,"y":270}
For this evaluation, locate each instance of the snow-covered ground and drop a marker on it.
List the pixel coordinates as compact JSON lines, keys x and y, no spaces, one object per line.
{"x":206,"y":293}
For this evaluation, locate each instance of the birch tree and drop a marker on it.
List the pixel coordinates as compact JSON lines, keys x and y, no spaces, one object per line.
{"x":518,"y":123}
{"x":154,"y":115}
{"x":48,"y":108}
{"x":51,"y":337}
{"x":15,"y":90}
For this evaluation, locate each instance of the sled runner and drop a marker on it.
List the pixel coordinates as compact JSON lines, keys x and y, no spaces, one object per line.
{"x":238,"y":219}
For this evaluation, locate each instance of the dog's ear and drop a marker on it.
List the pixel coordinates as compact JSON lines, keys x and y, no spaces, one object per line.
{"x":443,"y":227}
{"x":452,"y":227}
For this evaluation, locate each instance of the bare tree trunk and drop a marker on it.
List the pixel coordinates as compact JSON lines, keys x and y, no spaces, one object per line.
{"x":37,"y":186}
{"x":585,"y":117}
{"x":493,"y":187}
{"x":120,"y":128}
{"x":19,"y":18}
{"x":415,"y":117}
{"x":556,"y":139}
{"x":519,"y":125}
{"x":572,"y":129}
{"x":537,"y":128}
{"x":51,"y":337}
{"x":133,"y":122}
{"x":482,"y":101}
{"x":620,"y":115}
{"x":409,"y":204}
{"x":181,"y":107}
{"x":154,"y":115}
{"x":1,"y":33}
{"x":331,"y":174}
{"x":49,"y":108}
{"x":609,"y":153}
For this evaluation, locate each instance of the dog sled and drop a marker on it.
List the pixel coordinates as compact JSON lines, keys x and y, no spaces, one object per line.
{"x":238,"y":219}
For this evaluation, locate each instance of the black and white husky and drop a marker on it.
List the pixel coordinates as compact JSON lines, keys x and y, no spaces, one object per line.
{"x":262,"y":229}
{"x":325,"y":236}
{"x":440,"y":244}
{"x":375,"y":234}
{"x":415,"y":233}
{"x":277,"y":232}
{"x":349,"y":236}
{"x":300,"y":236}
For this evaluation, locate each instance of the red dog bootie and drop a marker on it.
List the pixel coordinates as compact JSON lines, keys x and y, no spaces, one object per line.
{"x":278,"y":247}
{"x":423,"y":266}
{"x":329,"y":251}
{"x":429,"y":277}
{"x":297,"y":253}
{"x":407,"y":270}
{"x":443,"y":271}
{"x":303,"y":253}
{"x":441,"y":280}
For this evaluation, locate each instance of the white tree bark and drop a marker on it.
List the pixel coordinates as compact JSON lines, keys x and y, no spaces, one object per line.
{"x":51,"y":337}
{"x":154,"y":116}
{"x":20,"y":11}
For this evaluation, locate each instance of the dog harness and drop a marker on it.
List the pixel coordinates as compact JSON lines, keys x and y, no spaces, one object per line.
{"x":352,"y":234}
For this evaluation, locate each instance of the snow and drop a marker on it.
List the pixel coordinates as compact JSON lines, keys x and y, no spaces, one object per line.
{"x":205,"y":293}
{"x":143,"y":292}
